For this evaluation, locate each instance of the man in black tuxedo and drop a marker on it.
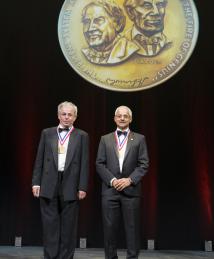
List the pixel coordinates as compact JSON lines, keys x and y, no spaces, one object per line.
{"x":122,"y":161}
{"x":60,"y":179}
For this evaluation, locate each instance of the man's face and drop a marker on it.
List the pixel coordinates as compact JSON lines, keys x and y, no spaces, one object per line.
{"x":66,"y":116}
{"x":122,"y":118}
{"x":98,"y":28}
{"x":149,"y":16}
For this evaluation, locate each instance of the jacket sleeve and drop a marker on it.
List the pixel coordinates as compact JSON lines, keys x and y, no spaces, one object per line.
{"x":142,"y":163}
{"x":84,"y":163}
{"x":38,"y":165}
{"x":105,"y":174}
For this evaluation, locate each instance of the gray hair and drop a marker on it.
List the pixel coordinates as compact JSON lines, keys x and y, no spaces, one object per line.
{"x":63,"y":104}
{"x":127,"y":108}
{"x":112,"y":9}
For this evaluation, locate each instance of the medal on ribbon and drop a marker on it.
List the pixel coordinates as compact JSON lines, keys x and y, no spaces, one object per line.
{"x":121,"y":144}
{"x":61,"y":147}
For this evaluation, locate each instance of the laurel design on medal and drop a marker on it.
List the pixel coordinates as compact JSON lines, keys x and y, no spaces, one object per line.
{"x":127,"y":45}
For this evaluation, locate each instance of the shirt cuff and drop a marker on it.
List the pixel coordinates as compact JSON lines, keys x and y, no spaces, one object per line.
{"x":112,"y":180}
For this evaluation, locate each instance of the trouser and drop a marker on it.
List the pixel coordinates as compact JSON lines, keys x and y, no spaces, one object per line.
{"x":117,"y":208}
{"x":60,"y":220}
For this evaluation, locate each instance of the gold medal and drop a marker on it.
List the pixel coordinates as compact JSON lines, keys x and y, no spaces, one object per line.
{"x":61,"y":149}
{"x":120,"y":153}
{"x":143,"y":53}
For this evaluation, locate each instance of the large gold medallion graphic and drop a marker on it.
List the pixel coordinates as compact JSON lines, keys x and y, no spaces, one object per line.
{"x":127,"y":45}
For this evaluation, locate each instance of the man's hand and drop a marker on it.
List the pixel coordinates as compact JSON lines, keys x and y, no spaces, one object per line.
{"x":120,"y":184}
{"x":81,"y":195}
{"x":36,"y":191}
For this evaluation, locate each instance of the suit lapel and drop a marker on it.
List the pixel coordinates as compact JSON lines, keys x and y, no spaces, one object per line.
{"x":129,"y":144}
{"x":71,"y":147}
{"x":114,"y":144}
{"x":54,"y":145}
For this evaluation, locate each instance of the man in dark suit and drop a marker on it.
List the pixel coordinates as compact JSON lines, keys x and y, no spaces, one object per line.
{"x":122,"y":161}
{"x":60,"y":179}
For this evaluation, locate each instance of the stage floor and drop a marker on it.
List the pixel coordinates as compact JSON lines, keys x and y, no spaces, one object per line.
{"x":7,"y":252}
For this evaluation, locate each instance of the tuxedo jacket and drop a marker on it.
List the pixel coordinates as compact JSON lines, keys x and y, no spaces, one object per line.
{"x":135,"y":163}
{"x":75,"y":175}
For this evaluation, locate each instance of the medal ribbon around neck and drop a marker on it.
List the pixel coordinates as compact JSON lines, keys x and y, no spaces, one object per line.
{"x":120,"y":145}
{"x":62,"y":140}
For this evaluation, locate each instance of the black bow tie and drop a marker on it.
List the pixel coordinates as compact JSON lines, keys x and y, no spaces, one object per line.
{"x":63,"y":129}
{"x":119,"y":133}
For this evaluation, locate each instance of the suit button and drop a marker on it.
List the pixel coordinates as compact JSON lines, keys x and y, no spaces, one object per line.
{"x":46,"y":172}
{"x":48,"y":159}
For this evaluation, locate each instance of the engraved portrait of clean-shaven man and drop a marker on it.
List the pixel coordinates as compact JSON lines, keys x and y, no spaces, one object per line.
{"x":148,"y":25}
{"x":103,"y":21}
